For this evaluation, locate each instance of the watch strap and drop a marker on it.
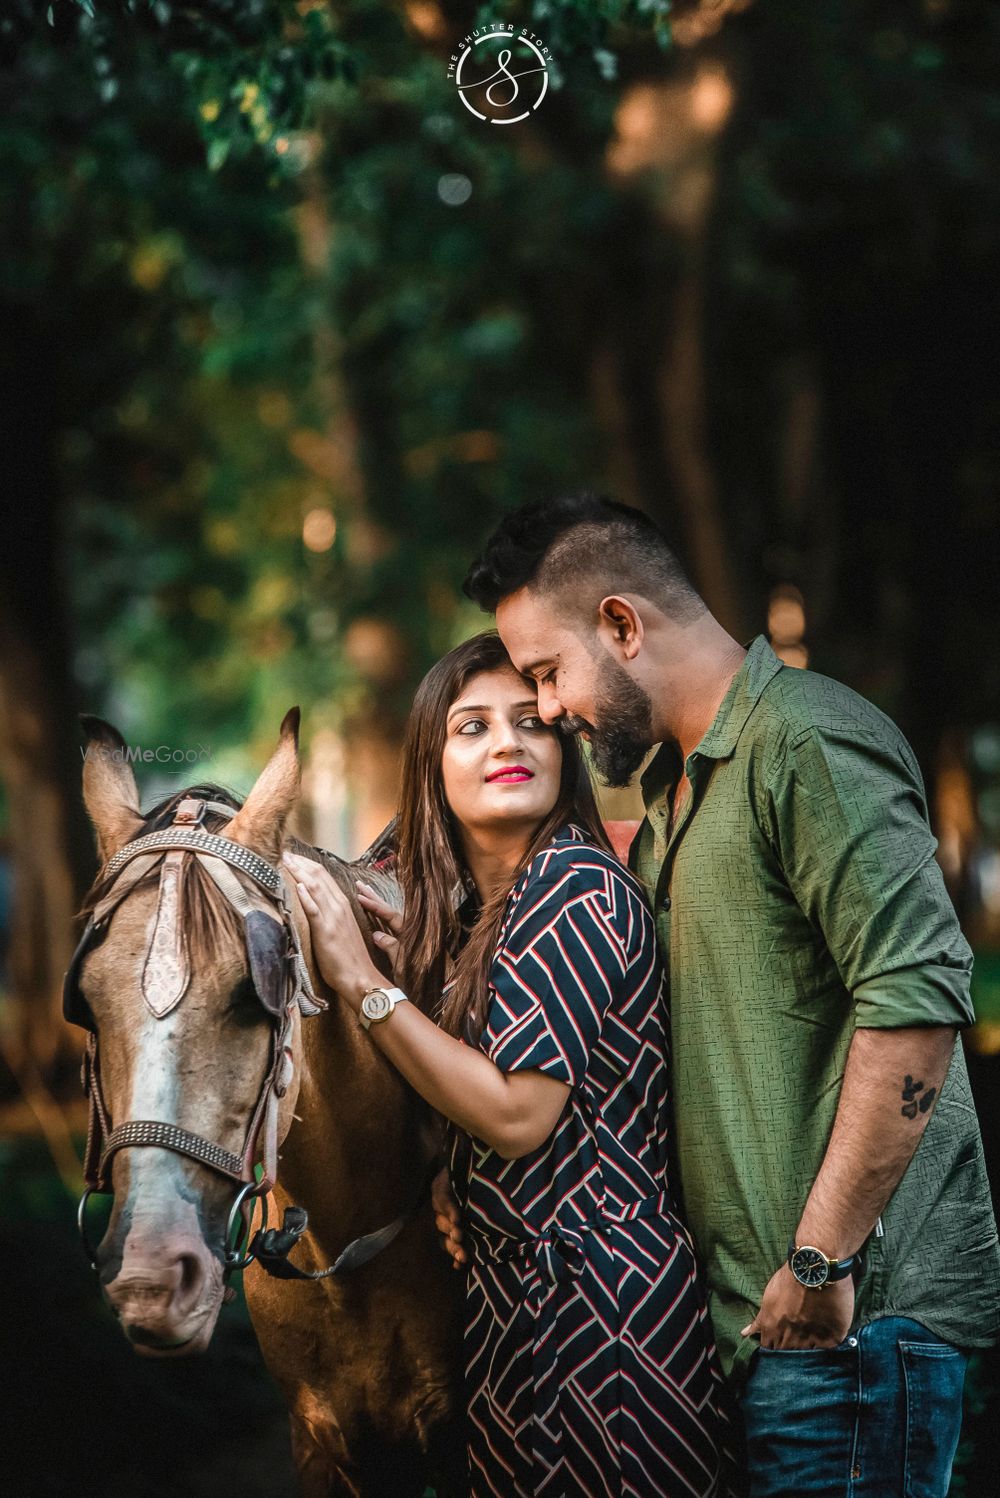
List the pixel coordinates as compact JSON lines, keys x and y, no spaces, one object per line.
{"x":839,"y":1269}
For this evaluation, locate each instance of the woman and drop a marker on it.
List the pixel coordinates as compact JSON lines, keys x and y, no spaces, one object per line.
{"x":590,"y":1367}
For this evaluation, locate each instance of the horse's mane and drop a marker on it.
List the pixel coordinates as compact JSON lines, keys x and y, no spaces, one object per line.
{"x":207,"y":916}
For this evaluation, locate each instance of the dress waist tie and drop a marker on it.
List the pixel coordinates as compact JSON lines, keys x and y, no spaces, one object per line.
{"x":554,"y":1257}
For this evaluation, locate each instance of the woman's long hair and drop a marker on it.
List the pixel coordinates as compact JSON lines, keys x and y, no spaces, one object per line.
{"x":431,"y":868}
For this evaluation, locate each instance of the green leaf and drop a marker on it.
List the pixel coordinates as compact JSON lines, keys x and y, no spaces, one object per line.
{"x":218,"y":150}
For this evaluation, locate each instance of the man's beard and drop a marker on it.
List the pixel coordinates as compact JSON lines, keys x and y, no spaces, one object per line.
{"x":625,"y":714}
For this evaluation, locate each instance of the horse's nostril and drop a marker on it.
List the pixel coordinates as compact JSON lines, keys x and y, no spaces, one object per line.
{"x":192,"y":1279}
{"x":190,"y":1272}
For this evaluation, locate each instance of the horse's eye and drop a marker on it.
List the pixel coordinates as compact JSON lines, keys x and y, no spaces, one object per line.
{"x":244,"y":1007}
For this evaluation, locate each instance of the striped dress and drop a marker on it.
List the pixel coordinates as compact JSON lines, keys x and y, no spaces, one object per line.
{"x":590,"y":1368}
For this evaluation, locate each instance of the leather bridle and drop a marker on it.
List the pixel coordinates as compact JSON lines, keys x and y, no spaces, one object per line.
{"x":256,"y":891}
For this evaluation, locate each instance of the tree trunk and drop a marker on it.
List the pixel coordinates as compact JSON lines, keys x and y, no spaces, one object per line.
{"x":49,"y":844}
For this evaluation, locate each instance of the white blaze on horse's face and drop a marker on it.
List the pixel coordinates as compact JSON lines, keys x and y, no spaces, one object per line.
{"x":201,"y":1067}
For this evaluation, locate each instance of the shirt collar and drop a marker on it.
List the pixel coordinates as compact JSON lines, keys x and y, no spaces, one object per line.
{"x":759,"y":667}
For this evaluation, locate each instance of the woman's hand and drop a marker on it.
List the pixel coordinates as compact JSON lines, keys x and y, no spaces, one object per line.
{"x":344,"y":962}
{"x":387,"y":941}
{"x":514,"y":1114}
{"x":447,"y":1219}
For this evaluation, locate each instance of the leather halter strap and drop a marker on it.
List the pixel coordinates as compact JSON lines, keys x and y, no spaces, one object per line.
{"x":271,"y":1246}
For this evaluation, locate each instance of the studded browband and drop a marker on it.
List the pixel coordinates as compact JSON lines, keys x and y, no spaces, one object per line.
{"x":180,"y":836}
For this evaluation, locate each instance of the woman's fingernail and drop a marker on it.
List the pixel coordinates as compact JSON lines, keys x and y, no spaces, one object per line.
{"x":378,"y":936}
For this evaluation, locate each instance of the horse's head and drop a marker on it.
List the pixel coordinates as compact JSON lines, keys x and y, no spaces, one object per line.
{"x":191,"y":992}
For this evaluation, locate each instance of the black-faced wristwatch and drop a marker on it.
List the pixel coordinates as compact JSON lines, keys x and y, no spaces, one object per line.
{"x":378,"y":1004}
{"x":813,"y":1269}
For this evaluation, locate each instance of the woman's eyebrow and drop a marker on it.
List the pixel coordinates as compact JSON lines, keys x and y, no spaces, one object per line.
{"x":470,"y":707}
{"x":481,"y":707}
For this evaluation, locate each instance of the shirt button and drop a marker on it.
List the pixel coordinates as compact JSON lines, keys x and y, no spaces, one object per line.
{"x":666,"y":902}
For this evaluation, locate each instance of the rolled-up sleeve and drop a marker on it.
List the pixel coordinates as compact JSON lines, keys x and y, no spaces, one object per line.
{"x":849,"y":819}
{"x":552,"y":981}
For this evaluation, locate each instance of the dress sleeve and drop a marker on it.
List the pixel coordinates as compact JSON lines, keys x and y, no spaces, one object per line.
{"x":553,"y":979}
{"x":850,"y":818}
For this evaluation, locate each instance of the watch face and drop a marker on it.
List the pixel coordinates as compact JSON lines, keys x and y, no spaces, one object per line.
{"x":376,"y":1005}
{"x":810,"y":1267}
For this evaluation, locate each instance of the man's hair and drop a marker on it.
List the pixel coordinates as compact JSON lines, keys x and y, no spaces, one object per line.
{"x":562,"y":545}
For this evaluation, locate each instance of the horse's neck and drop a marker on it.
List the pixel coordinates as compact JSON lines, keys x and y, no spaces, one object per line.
{"x":357,"y":1147}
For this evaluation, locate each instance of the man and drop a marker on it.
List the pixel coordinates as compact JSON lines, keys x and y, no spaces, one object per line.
{"x":829,"y":1155}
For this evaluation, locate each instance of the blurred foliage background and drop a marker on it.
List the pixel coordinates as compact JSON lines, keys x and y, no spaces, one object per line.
{"x":286,"y":330}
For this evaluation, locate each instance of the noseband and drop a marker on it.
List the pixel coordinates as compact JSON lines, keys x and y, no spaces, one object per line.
{"x":256,"y":891}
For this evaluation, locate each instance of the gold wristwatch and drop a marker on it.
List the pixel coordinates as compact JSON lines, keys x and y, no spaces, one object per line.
{"x":378,"y":1004}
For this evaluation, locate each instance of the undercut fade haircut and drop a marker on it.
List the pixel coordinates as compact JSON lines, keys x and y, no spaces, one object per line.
{"x":575,"y":547}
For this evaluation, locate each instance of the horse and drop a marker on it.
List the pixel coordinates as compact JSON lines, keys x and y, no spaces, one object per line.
{"x":218,"y":1046}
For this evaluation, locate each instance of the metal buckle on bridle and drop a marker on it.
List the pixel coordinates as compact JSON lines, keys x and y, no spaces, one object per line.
{"x":81,"y":1222}
{"x":238,"y":1254}
{"x":237,"y":1257}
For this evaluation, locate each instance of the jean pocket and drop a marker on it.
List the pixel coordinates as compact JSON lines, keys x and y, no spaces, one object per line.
{"x":806,"y":1373}
{"x":800,"y":1411}
{"x":934,"y":1374}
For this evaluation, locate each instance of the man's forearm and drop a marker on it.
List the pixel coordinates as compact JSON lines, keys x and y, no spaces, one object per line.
{"x":891,"y":1083}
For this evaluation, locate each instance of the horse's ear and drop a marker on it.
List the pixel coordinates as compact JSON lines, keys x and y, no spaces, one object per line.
{"x":260,"y":822}
{"x":110,"y":793}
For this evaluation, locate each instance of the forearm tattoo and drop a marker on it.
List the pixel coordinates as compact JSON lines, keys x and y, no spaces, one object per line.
{"x":916,"y":1097}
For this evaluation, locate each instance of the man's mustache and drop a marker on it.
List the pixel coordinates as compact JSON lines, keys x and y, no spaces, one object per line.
{"x":571,"y":724}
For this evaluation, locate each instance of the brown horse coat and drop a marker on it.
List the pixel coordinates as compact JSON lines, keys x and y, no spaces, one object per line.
{"x":368,"y":1361}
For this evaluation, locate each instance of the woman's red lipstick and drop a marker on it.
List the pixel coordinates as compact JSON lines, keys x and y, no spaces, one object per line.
{"x":512,"y":772}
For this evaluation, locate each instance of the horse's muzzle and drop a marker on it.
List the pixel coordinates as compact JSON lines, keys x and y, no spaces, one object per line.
{"x":168,"y":1306}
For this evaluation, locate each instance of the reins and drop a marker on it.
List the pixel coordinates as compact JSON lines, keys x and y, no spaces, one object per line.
{"x":257,"y":891}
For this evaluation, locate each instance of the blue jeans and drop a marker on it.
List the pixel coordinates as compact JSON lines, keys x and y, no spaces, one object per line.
{"x":877,"y":1417}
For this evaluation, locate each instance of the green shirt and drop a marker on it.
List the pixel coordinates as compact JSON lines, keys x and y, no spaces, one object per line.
{"x":798,"y":898}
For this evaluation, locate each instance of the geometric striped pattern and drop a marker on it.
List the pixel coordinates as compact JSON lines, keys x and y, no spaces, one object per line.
{"x":590,"y":1368}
